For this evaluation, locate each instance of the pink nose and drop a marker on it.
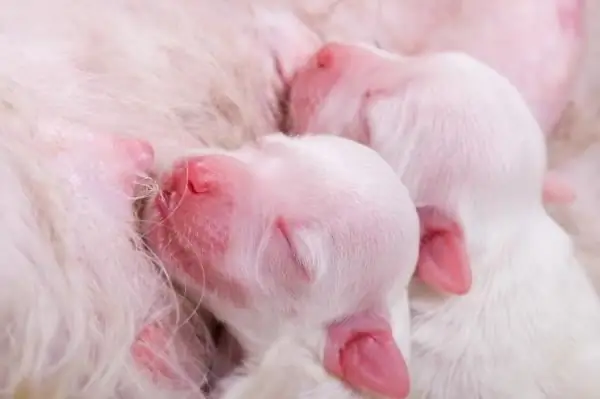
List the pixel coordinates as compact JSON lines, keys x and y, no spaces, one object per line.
{"x":203,"y":175}
{"x":189,"y":177}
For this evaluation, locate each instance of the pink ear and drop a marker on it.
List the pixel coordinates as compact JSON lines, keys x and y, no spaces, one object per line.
{"x":557,"y":190}
{"x":292,"y":234}
{"x":290,"y":40}
{"x":443,"y":262}
{"x":362,"y":352}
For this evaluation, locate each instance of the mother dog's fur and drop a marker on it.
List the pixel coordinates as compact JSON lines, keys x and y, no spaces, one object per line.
{"x":181,"y":74}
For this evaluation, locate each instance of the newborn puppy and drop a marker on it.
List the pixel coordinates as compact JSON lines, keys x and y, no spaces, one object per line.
{"x":472,"y":156}
{"x":294,"y":45}
{"x":291,"y":238}
{"x":536,"y":44}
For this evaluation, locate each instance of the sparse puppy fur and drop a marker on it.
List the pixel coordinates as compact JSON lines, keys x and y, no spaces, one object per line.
{"x":311,"y":239}
{"x":288,"y":369}
{"x":292,"y":368}
{"x":530,"y":324}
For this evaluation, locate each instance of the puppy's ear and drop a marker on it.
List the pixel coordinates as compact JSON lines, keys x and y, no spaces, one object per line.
{"x":305,"y":248}
{"x":361,"y":351}
{"x":443,"y":262}
{"x":290,"y":40}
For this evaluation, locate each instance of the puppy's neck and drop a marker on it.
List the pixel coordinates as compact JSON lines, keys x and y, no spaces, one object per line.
{"x":307,"y":340}
{"x":256,"y":340}
{"x":507,"y":250}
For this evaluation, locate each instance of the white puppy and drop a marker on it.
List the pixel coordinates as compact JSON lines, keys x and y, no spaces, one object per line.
{"x":472,"y":156}
{"x":290,"y":239}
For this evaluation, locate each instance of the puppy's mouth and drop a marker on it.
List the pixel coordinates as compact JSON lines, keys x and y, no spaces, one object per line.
{"x":160,"y":204}
{"x":163,"y":203}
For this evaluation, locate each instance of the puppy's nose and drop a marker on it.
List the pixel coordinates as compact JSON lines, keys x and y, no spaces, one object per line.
{"x":206,"y":174}
{"x":191,"y":176}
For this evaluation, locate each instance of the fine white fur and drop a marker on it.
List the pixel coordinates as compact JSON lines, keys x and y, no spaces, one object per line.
{"x":353,"y":228}
{"x":530,"y":325}
{"x":292,"y":367}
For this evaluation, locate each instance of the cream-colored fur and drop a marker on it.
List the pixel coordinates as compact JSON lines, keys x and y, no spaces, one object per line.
{"x":77,"y":286}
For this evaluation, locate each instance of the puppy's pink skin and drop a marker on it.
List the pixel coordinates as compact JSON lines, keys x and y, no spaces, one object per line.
{"x":274,"y":231}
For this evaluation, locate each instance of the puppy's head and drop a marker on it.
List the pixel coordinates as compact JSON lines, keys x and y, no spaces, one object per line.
{"x":294,"y":234}
{"x":300,"y":230}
